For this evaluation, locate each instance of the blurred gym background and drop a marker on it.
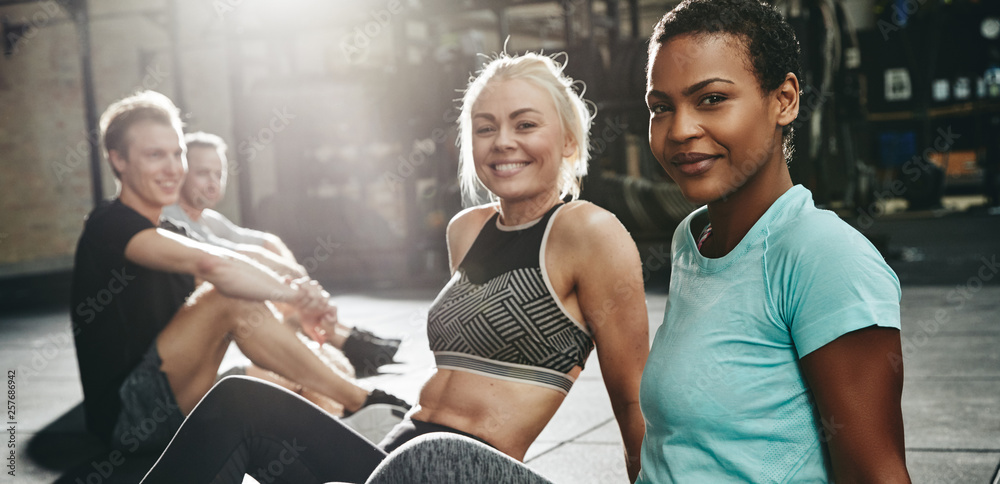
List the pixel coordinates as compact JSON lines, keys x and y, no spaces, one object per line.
{"x":340,"y":116}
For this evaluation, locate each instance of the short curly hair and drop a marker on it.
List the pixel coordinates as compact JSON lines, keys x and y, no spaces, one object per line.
{"x":771,"y":47}
{"x":575,"y":115}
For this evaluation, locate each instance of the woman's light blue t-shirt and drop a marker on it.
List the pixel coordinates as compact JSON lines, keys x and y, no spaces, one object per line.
{"x":722,"y":394}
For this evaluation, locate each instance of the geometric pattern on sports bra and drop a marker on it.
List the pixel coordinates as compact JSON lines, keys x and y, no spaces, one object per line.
{"x":509,"y":328}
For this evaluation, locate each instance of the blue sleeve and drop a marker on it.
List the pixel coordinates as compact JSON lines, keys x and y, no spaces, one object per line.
{"x":832,"y":281}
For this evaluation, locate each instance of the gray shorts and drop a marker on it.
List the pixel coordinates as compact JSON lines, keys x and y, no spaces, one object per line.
{"x":149,"y":415}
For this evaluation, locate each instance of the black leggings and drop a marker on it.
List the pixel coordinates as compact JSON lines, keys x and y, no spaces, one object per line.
{"x":408,"y":430}
{"x":247,"y":426}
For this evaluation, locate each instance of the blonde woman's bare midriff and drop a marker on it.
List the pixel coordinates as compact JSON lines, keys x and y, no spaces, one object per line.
{"x":509,"y":415}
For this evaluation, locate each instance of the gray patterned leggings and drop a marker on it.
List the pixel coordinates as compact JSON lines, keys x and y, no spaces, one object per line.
{"x":245,"y":426}
{"x":450,"y":458}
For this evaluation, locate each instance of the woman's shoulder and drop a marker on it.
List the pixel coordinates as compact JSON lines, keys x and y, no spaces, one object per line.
{"x":585,"y":216}
{"x":582,"y":221}
{"x":820,"y":246}
{"x":472,"y":217}
{"x":817,"y":231}
{"x":464,"y":227}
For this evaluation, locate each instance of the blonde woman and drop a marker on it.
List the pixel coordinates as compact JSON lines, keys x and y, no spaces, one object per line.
{"x":537,"y":283}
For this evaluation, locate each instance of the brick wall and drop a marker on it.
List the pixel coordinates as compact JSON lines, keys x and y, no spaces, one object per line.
{"x":45,"y":187}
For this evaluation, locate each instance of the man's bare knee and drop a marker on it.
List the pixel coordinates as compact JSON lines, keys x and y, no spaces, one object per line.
{"x":248,"y":316}
{"x":239,"y":316}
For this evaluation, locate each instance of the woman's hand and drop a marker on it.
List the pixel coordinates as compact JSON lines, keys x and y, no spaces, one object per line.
{"x":317,"y":315}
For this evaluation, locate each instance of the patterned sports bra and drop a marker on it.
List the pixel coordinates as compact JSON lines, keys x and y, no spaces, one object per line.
{"x":500,"y":317}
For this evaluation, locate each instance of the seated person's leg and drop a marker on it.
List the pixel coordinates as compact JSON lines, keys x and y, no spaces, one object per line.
{"x":176,"y":371}
{"x":320,"y":400}
{"x":330,"y":356}
{"x":442,"y":458}
{"x":248,"y":426}
{"x":365,"y":351}
{"x":194,"y":342}
{"x":149,"y":414}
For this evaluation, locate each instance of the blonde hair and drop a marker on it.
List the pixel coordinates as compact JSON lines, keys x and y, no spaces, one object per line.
{"x":141,"y":106}
{"x":201,"y":139}
{"x":575,"y":116}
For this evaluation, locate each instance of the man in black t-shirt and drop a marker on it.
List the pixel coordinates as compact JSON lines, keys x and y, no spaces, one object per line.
{"x":149,"y":338}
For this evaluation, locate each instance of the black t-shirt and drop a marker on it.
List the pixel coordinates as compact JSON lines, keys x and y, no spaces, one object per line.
{"x":117,"y":309}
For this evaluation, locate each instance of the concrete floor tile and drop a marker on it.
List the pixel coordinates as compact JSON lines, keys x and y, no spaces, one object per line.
{"x":951,"y":355}
{"x":41,"y":402}
{"x":586,"y":406}
{"x":607,"y":433}
{"x":951,"y":467}
{"x":952,"y":414}
{"x":947,"y":309}
{"x":951,"y":395}
{"x":577,"y":463}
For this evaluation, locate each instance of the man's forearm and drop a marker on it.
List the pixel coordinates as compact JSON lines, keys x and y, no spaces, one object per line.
{"x":281,"y":265}
{"x":275,"y":245}
{"x":237,"y":276}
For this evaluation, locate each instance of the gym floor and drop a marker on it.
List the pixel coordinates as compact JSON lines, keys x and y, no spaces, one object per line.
{"x":951,"y":339}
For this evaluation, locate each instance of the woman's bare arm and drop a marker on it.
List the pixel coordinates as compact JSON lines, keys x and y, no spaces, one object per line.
{"x":611,"y":295}
{"x":857,"y":380}
{"x":463,"y":229}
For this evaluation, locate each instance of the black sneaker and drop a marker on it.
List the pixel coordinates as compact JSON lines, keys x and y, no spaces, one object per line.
{"x":380,"y":397}
{"x":368,"y":352}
